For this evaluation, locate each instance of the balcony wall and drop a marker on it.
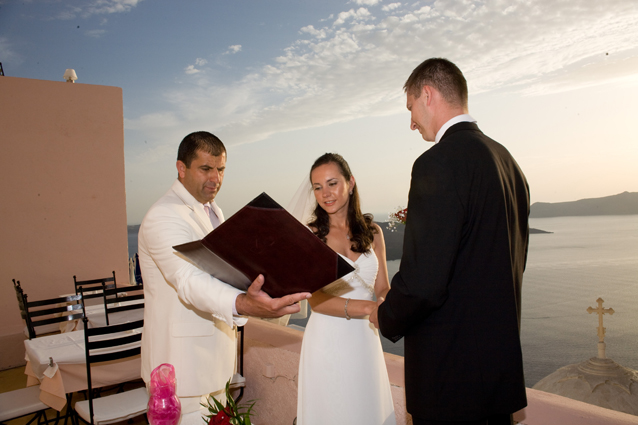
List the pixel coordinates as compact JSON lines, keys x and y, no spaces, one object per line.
{"x":271,"y":361}
{"x":63,"y":209}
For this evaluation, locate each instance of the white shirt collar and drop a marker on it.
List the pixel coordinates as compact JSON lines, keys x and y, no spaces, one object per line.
{"x":184,"y":194}
{"x":457,"y":119}
{"x":190,"y":200}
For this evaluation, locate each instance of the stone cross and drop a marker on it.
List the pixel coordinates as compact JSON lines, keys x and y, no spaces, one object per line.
{"x":601,"y":330}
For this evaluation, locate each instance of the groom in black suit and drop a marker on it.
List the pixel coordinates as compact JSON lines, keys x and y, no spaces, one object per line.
{"x":457,"y":296}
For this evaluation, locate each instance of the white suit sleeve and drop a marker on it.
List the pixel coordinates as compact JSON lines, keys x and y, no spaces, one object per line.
{"x":160,"y":231}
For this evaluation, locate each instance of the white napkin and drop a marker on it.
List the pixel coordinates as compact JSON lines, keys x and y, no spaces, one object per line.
{"x":51,"y":370}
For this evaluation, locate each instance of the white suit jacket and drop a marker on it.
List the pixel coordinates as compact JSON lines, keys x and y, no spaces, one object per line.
{"x":188,"y":318}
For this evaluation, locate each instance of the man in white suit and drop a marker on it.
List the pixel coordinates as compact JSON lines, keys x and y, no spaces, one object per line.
{"x":189,"y":315}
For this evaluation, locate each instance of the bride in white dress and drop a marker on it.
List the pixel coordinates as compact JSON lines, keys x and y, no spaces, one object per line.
{"x":342,"y":374}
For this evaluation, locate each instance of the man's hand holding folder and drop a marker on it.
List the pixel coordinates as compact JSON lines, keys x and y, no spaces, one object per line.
{"x":258,"y":303}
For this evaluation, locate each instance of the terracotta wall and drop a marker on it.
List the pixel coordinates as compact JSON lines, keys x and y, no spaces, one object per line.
{"x":63,"y":203}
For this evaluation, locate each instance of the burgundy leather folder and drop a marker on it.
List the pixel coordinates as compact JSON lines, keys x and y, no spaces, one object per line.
{"x":263,"y":238}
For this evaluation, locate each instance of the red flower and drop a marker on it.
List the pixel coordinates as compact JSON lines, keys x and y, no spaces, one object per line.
{"x":400,"y":216}
{"x":221,"y":418}
{"x":230,"y":414}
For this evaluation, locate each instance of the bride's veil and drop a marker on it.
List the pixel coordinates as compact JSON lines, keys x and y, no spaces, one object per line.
{"x":303,"y":204}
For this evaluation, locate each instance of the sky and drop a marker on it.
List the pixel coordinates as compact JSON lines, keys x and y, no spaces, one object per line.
{"x":283,"y":81}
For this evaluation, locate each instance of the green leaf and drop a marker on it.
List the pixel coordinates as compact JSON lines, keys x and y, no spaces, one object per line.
{"x":239,"y":414}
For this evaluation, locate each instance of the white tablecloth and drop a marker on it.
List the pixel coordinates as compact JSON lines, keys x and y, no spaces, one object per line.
{"x":67,"y":372}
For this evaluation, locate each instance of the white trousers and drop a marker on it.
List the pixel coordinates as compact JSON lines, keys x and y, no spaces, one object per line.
{"x":192,"y":409}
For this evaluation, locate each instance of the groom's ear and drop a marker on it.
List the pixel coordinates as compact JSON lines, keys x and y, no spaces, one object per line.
{"x":426,"y":93}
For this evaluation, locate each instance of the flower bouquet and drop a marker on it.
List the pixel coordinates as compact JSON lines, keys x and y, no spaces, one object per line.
{"x":232,"y":414}
{"x":398,"y":217}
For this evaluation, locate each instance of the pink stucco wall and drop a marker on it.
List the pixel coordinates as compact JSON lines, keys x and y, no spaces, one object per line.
{"x":63,"y":201}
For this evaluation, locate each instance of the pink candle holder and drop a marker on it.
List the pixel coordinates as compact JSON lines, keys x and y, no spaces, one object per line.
{"x":164,"y":407}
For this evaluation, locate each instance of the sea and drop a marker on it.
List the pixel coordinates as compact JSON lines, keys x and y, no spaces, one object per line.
{"x":580,"y":260}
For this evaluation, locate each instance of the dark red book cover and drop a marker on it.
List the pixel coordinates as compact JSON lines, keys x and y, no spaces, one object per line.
{"x":263,"y":238}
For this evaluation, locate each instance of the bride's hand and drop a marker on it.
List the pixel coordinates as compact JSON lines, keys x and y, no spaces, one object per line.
{"x":369,"y":308}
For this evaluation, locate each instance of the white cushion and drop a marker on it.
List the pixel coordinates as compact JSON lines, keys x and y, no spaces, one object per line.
{"x":114,"y":408}
{"x":14,"y":404}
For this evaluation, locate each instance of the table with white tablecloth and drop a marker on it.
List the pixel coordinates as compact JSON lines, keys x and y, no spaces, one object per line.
{"x":58,"y":364}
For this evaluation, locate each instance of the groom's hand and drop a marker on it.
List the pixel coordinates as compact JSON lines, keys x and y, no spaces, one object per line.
{"x":257,"y":303}
{"x":374,"y":316}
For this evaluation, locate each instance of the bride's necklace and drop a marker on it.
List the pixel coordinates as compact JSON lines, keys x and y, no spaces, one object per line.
{"x":344,"y":229}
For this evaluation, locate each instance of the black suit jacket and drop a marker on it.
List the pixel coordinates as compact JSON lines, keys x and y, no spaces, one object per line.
{"x":457,"y":296}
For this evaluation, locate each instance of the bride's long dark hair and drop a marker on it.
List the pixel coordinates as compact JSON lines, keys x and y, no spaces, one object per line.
{"x":361,"y":225}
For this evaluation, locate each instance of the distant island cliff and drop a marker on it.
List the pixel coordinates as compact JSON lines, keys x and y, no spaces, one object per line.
{"x":625,"y":203}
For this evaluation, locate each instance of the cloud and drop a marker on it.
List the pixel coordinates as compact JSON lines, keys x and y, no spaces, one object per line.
{"x":310,"y":29}
{"x":391,"y":6}
{"x":617,"y":67}
{"x":86,"y":9}
{"x":233,"y":49}
{"x":190,"y":69}
{"x":6,"y":51}
{"x":111,"y":6}
{"x":367,"y":2}
{"x":160,"y":120}
{"x":95,"y":33}
{"x":354,"y":64}
{"x":354,"y":15}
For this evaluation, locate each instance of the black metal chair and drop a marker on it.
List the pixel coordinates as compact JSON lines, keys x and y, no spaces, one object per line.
{"x":123,"y":299}
{"x":238,"y":380}
{"x":94,"y":288}
{"x":38,"y":314}
{"x":18,"y":289}
{"x":103,"y":344}
{"x":138,"y":270}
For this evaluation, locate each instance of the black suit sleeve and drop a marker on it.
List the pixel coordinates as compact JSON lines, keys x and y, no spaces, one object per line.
{"x":432,"y":236}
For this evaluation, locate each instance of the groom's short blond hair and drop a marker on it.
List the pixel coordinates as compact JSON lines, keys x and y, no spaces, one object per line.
{"x":444,"y":76}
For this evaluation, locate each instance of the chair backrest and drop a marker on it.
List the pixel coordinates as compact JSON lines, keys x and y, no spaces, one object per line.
{"x":94,"y":288}
{"x":20,"y":297}
{"x":49,"y":311}
{"x":123,"y":298}
{"x":138,"y":270}
{"x":108,"y":343}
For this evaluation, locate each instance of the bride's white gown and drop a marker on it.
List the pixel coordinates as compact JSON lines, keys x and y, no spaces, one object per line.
{"x":342,"y":374}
